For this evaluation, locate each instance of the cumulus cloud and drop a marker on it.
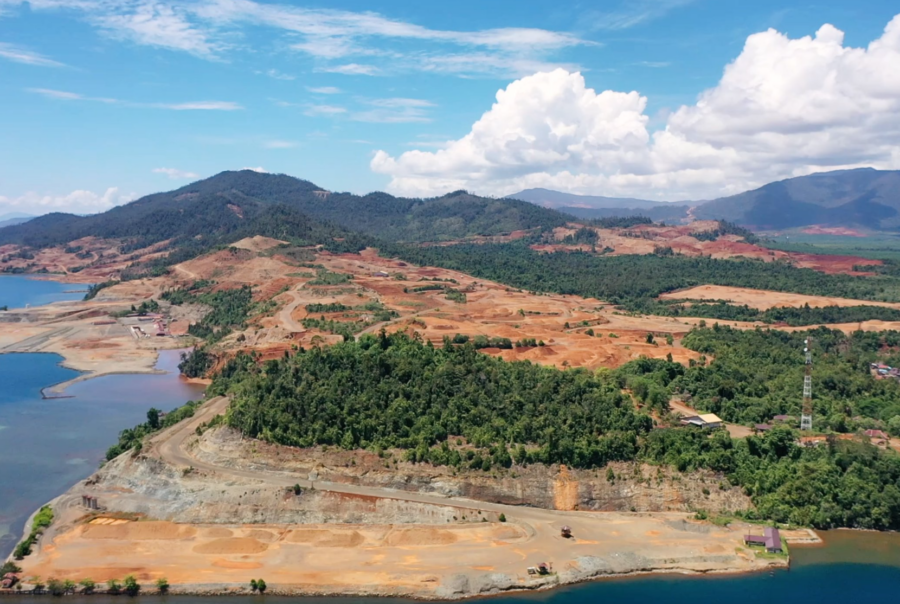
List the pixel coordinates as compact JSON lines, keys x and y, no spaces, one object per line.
{"x":77,"y":202}
{"x":257,"y":169}
{"x":784,"y":107}
{"x":175,"y":173}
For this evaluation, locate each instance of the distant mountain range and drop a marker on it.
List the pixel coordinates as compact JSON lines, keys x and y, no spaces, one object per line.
{"x":863,"y":198}
{"x":232,"y":205}
{"x":13,"y":218}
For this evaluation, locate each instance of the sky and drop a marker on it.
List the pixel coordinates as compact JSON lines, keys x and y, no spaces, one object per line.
{"x":103,"y":101}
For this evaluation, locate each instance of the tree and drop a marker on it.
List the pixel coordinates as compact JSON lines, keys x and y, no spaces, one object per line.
{"x":9,"y":567}
{"x":113,"y":587}
{"x":132,"y":587}
{"x":55,"y":587}
{"x":650,"y":338}
{"x":253,"y":585}
{"x":893,"y":426}
{"x":37,"y":584}
{"x":502,"y":517}
{"x":162,"y":584}
{"x":69,"y":586}
{"x":261,"y":586}
{"x":87,"y":586}
{"x":153,"y":418}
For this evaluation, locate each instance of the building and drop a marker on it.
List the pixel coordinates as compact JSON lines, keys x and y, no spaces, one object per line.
{"x":782,"y":418}
{"x":762,"y":427}
{"x":380,"y":274}
{"x":705,"y":420}
{"x":770,"y":539}
{"x":876,"y":434}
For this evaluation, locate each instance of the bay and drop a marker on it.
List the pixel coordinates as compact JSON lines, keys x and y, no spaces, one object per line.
{"x":46,"y":446}
{"x":17,"y":291}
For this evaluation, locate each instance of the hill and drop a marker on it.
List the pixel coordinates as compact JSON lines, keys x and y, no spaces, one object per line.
{"x":232,"y":205}
{"x":864,"y":198}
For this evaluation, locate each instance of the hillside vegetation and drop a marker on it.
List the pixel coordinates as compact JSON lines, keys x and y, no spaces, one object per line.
{"x":233,"y":205}
{"x":453,"y":406}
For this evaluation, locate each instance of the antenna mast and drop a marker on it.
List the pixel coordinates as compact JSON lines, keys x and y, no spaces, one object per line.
{"x":806,"y":415}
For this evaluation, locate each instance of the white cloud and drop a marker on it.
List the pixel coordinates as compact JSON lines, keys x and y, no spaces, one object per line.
{"x":175,"y":173}
{"x":351,"y":69}
{"x":277,"y":75}
{"x":199,"y":106}
{"x":154,"y":24}
{"x":324,"y":89}
{"x":212,"y":28}
{"x":258,"y":169}
{"x":277,"y":144}
{"x":634,"y":12}
{"x":17,"y":54}
{"x":76,"y":202}
{"x":784,"y":107}
{"x":320,"y":110}
{"x":63,"y":95}
{"x":395,"y":110}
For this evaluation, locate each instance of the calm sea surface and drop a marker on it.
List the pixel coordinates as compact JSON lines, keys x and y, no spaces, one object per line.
{"x":46,"y":446}
{"x":17,"y":291}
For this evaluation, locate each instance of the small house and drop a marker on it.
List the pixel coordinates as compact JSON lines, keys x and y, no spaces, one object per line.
{"x":381,"y":274}
{"x":770,"y":539}
{"x":706,"y":420}
{"x":762,"y":427}
{"x":876,"y":434}
{"x":782,"y":418}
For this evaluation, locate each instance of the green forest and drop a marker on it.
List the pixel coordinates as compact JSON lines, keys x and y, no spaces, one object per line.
{"x":752,"y":375}
{"x":635,"y":281}
{"x":454,"y":406}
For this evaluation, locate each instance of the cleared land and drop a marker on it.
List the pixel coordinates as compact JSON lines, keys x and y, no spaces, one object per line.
{"x":763,"y":299}
{"x":453,"y":558}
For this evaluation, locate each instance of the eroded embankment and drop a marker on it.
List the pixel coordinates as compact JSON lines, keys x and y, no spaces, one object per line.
{"x":189,"y":510}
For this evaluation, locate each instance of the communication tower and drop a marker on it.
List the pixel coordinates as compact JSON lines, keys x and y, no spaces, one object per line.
{"x":806,"y":414}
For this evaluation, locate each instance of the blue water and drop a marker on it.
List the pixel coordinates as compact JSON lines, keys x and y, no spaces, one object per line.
{"x":838,"y":583}
{"x":17,"y":291}
{"x":46,"y":446}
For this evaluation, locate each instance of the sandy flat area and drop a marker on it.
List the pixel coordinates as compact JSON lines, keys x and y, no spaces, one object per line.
{"x":399,"y":559}
{"x":763,"y":299}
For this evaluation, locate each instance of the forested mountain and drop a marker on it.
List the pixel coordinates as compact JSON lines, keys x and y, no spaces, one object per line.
{"x":862,"y":198}
{"x":865,"y":198}
{"x":235,"y":203}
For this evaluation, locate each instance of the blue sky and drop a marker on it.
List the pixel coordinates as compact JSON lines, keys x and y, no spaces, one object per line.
{"x":105,"y":100}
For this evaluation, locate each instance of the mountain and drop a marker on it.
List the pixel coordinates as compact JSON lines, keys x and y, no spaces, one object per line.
{"x":864,"y":197}
{"x":14,"y":218}
{"x":595,"y":206}
{"x":557,"y":199}
{"x":231,"y":205}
